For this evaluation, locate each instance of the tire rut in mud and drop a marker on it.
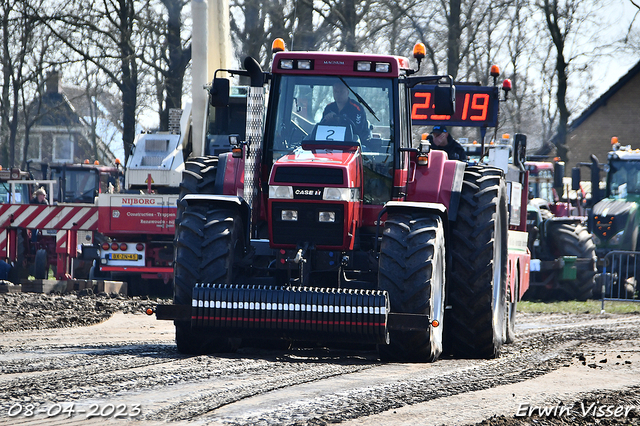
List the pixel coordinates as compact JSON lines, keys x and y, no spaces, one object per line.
{"x":209,"y":388}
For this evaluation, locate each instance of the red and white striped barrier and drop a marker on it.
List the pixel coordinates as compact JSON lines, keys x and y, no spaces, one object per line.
{"x":31,"y":216}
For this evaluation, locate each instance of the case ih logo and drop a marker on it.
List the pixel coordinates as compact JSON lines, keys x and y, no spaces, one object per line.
{"x":315,"y":193}
{"x":138,"y":201}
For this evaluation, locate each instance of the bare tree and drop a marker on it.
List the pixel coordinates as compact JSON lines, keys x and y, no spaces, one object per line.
{"x":22,"y":61}
{"x":568,"y":21}
{"x":104,"y":34}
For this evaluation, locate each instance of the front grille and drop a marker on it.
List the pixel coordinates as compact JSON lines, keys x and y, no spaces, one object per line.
{"x":321,"y":175}
{"x":307,"y":229}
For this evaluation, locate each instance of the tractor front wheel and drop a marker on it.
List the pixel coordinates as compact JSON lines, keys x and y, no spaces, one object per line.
{"x":412,"y":271}
{"x":208,"y":242}
{"x":570,"y":239}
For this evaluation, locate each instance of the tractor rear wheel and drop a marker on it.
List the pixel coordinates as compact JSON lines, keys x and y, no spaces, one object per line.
{"x":198,"y":177}
{"x":208,"y":242}
{"x":477,"y":295}
{"x":412,"y":271}
{"x":571,"y":239}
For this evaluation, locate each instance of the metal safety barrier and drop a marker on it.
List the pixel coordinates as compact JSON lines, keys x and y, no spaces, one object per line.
{"x":620,"y":275}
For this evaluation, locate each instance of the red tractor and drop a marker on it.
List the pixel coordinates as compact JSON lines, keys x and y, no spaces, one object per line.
{"x":315,"y":230}
{"x":563,"y":253}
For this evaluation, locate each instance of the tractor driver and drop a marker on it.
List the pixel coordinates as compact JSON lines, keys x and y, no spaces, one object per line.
{"x":347,"y":107}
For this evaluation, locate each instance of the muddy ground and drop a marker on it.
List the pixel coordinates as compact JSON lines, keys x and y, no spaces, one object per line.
{"x":85,"y":359}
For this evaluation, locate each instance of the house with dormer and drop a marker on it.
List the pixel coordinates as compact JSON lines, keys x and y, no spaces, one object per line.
{"x":63,"y":130}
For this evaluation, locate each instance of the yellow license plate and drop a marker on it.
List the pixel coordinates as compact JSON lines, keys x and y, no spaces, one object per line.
{"x":124,"y":256}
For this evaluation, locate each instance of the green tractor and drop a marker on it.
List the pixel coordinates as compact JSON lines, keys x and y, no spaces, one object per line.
{"x":614,"y":221}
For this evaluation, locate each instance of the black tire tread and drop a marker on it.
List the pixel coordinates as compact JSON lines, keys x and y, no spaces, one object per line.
{"x":204,"y":252}
{"x":406,"y":270}
{"x":573,"y":239}
{"x":41,"y":268}
{"x":469,"y":325}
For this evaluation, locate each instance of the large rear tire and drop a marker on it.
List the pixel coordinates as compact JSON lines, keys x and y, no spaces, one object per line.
{"x":412,"y":271}
{"x":198,"y":177}
{"x":208,"y":242}
{"x":571,"y":239}
{"x":475,"y":325}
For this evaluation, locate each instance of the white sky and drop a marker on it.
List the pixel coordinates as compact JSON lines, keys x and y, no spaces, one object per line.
{"x":613,"y":68}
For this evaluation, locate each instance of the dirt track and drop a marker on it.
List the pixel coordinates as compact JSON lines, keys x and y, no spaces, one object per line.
{"x":130,"y":361}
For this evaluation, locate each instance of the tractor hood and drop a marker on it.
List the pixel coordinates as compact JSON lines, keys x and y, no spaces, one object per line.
{"x":315,"y":198}
{"x":611,"y":207}
{"x":321,"y":165}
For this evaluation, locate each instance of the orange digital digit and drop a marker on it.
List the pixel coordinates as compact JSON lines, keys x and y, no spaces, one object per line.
{"x":465,"y":108}
{"x":440,"y":117}
{"x":483,"y":108}
{"x":423,"y":105}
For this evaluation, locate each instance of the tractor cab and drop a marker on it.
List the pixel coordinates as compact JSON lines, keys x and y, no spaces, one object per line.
{"x":81,"y":183}
{"x":318,"y":116}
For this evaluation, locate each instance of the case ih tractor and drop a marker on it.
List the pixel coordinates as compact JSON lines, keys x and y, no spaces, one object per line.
{"x":563,"y":254}
{"x":313,"y":230}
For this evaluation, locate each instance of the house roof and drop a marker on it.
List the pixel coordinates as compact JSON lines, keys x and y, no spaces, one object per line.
{"x":548,"y":146}
{"x":67,"y":106}
{"x":602,"y":100}
{"x":57,"y":111}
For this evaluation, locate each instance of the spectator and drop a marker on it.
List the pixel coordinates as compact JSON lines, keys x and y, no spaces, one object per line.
{"x":39,"y":197}
{"x":441,"y":139}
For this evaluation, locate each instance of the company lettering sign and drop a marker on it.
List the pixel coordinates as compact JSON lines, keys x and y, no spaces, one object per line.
{"x":138,"y":201}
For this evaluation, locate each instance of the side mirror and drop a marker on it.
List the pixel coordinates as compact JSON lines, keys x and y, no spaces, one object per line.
{"x":445,"y":100}
{"x":520,"y":149}
{"x":558,"y":174}
{"x":575,"y":178}
{"x":219,"y":92}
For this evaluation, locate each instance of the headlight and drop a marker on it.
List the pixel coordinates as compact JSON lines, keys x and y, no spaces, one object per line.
{"x":617,"y":239}
{"x":286,"y":64}
{"x":304,"y":64}
{"x":363,"y":66}
{"x":383,"y":67}
{"x":341,"y":194}
{"x":327,"y":217}
{"x":278,"y":191}
{"x":289,"y":215}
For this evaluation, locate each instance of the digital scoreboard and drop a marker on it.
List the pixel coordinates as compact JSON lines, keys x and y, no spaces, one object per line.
{"x":476,"y":106}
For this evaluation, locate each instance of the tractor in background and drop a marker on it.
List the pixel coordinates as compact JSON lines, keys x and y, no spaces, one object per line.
{"x":615,"y":221}
{"x":563,"y":253}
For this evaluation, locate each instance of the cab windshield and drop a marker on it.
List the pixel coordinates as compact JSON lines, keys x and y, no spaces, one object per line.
{"x":623,"y":178}
{"x":326,"y":110}
{"x":308,"y":102}
{"x":80,"y":186}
